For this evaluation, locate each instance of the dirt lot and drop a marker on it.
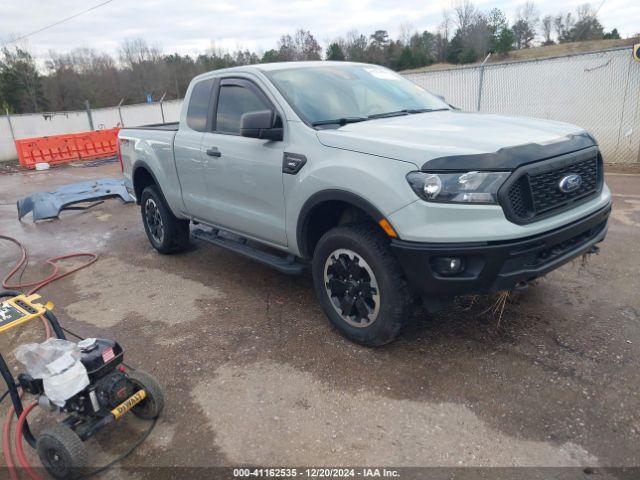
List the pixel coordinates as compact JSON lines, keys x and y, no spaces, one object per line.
{"x":254,"y":374}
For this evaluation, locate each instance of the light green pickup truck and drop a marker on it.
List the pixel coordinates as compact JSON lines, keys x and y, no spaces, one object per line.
{"x":382,"y":189}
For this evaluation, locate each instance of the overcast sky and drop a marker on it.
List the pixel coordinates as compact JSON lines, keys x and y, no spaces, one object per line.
{"x":192,"y":26}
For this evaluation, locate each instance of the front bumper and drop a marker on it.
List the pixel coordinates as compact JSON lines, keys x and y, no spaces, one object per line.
{"x":499,"y":265}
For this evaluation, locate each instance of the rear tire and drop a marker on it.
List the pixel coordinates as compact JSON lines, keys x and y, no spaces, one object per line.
{"x":360,"y":284}
{"x":166,"y":232}
{"x":153,"y":404}
{"x":62,"y":453}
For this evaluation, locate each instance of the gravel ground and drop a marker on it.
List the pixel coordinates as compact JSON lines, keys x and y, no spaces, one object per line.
{"x":254,"y":374}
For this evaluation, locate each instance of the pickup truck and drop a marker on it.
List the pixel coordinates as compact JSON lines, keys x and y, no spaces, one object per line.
{"x":380,"y":188}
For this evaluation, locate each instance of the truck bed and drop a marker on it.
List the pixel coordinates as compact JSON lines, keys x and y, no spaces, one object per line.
{"x":171,"y":126}
{"x":153,"y":146}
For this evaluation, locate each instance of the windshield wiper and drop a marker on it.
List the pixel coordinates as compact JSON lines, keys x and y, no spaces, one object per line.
{"x":340,"y":121}
{"x":390,"y":114}
{"x":405,"y":111}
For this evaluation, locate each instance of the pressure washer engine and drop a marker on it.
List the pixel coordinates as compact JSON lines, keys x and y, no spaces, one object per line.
{"x":87,"y":380}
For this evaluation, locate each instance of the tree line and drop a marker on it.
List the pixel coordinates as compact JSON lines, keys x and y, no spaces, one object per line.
{"x":466,"y":34}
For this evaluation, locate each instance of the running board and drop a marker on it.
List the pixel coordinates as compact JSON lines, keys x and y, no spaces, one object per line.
{"x":288,"y":264}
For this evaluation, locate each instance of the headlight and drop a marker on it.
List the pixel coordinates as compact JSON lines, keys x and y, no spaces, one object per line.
{"x":466,"y":187}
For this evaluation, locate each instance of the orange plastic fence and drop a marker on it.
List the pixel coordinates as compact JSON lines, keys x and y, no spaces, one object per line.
{"x":71,"y":147}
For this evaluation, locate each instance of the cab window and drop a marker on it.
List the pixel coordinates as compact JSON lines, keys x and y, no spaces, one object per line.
{"x":199,"y":105}
{"x":233,"y":102}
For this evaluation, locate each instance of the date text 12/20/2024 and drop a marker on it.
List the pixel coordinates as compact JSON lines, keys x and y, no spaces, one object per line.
{"x":315,"y":472}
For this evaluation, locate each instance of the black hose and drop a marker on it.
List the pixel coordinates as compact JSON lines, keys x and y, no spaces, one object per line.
{"x":9,"y":293}
{"x":53,"y":320}
{"x":129,"y":451}
{"x":49,"y":315}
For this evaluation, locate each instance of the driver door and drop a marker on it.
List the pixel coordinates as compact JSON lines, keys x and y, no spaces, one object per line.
{"x":243,"y":175}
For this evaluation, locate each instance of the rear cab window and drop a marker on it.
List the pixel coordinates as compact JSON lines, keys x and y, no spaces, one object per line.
{"x":199,"y":102}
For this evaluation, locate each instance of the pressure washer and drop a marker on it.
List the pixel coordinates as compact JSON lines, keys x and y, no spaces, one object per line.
{"x":86,"y":381}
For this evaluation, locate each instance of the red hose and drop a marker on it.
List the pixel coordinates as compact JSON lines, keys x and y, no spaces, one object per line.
{"x":52,"y":277}
{"x":22,"y":459}
{"x":6,"y":444}
{"x":37,"y":285}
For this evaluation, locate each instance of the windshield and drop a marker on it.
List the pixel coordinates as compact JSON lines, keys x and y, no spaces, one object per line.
{"x":339,"y":94}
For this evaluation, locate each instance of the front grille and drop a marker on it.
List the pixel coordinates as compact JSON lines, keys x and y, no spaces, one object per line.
{"x":544,"y":186}
{"x":533,"y":193}
{"x":520,"y":198}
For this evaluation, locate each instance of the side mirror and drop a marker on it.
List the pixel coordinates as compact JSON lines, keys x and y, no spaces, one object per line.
{"x":264,"y":124}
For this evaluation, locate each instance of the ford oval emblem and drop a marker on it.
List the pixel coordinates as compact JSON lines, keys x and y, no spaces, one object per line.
{"x":570,"y":183}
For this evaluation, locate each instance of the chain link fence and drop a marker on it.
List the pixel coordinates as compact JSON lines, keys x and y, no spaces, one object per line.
{"x":598,"y":91}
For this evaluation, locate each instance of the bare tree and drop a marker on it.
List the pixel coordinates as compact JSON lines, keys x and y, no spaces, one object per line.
{"x":355,"y":46}
{"x":527,"y":20}
{"x":134,"y":51}
{"x":530,"y":13}
{"x":445,"y":24}
{"x":585,"y":11}
{"x":301,"y":46}
{"x":478,"y":35}
{"x":563,"y":23}
{"x":523,"y":34}
{"x":547,"y":27}
{"x":143,"y":64}
{"x":442,"y":37}
{"x":82,"y":74}
{"x":406,"y":31}
{"x":464,"y":13}
{"x":587,"y":27}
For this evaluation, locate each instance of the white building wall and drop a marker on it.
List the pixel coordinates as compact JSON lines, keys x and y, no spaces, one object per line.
{"x":56,"y":123}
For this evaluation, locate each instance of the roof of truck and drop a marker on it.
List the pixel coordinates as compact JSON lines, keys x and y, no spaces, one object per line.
{"x":317,"y":63}
{"x":267,"y":67}
{"x":270,"y":67}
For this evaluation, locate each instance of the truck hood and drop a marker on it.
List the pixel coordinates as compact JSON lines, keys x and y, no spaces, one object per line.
{"x":454,"y":140}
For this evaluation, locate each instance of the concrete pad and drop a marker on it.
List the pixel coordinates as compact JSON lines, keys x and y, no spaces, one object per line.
{"x":320,"y":425}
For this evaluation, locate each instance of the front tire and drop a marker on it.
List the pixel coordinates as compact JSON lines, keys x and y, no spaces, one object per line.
{"x":62,"y":453}
{"x":166,"y":232}
{"x":360,"y":284}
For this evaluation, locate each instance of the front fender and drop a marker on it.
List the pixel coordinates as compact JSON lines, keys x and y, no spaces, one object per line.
{"x":327,"y":196}
{"x":374,"y":184}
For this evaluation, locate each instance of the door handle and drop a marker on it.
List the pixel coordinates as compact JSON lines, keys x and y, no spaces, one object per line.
{"x":214,"y":152}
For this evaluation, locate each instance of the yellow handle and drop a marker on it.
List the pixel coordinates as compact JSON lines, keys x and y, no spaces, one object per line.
{"x":129,"y":403}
